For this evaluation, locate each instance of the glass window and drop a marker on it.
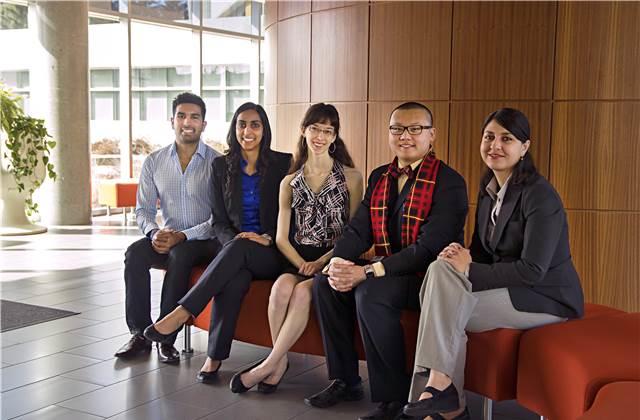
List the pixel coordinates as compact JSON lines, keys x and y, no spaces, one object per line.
{"x":157,"y":77}
{"x":235,"y":98}
{"x":212,"y":75}
{"x":183,"y":11}
{"x":105,"y":106}
{"x":238,"y":75}
{"x":243,"y":16}
{"x":13,"y":16}
{"x":105,"y":78}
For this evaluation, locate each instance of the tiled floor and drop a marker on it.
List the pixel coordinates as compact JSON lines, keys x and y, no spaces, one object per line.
{"x":65,"y":369}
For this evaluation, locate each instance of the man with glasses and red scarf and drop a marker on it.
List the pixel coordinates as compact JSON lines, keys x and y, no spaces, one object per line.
{"x":412,"y":209}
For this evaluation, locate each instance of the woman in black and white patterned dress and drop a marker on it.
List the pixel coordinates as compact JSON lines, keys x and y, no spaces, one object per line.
{"x":317,"y":198}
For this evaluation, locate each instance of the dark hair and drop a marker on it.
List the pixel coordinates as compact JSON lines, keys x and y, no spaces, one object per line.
{"x":413,"y":105}
{"x":321,"y":113}
{"x":188,"y":98}
{"x":233,"y":155}
{"x":517,"y":124}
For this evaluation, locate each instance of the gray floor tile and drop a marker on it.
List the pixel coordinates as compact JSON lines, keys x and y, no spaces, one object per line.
{"x":105,"y":299}
{"x":210,"y":397}
{"x":44,"y":347}
{"x":59,"y":297}
{"x":41,"y":394}
{"x":76,"y":306}
{"x":125,"y":395}
{"x":45,"y":367}
{"x":104,"y":313}
{"x":54,"y":412}
{"x":107,"y":286}
{"x":4,"y":342}
{"x":15,"y":295}
{"x":106,"y":329}
{"x":162,"y":409}
{"x":112,"y":371}
{"x":46,"y":329}
{"x":102,"y":350}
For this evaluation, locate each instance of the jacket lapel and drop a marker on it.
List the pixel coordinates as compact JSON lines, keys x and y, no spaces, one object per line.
{"x":511,"y":198}
{"x":234,"y":208}
{"x":483,"y":219}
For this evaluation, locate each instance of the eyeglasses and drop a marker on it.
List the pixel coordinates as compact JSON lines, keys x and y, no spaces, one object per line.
{"x":414,"y":130}
{"x":326,"y":132}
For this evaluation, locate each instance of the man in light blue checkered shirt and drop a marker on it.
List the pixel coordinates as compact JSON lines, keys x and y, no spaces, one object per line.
{"x":179,"y":177}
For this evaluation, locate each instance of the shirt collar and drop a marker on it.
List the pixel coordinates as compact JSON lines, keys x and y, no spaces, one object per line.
{"x":496,"y":192}
{"x":414,"y":165}
{"x":201,"y":150}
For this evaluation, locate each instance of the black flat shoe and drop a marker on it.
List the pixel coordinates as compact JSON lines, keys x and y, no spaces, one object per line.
{"x":236,"y":385}
{"x":266,"y":388}
{"x":209,"y":377}
{"x":152,"y":334}
{"x":385,"y":411}
{"x":440,"y":402}
{"x":136,"y":345}
{"x":167,"y":353}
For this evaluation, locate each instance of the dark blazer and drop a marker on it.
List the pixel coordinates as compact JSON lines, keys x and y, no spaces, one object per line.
{"x":443,"y":225}
{"x":528,"y":252}
{"x":227,"y":214}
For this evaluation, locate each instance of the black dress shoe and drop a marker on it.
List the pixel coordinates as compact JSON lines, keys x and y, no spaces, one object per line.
{"x":137,"y":344}
{"x":385,"y":411}
{"x":152,"y":334}
{"x":337,"y":391}
{"x":209,"y":377}
{"x":167,"y":353}
{"x":236,"y":385}
{"x":440,"y":402}
{"x":266,"y":388}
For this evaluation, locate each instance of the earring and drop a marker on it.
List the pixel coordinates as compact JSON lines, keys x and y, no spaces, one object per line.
{"x":334,"y":148}
{"x":522,"y":158}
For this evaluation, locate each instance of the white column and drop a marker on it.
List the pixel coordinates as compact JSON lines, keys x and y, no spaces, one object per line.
{"x":60,"y":95}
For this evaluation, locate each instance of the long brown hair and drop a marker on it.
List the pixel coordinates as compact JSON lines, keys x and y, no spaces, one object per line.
{"x":321,"y":113}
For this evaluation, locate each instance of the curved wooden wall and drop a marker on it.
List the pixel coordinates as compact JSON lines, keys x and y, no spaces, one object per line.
{"x":571,"y":67}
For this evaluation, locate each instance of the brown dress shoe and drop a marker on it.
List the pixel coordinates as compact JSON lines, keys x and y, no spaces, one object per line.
{"x":136,"y":345}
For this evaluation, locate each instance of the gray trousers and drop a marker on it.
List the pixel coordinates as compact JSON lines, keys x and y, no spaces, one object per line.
{"x":448,"y":309}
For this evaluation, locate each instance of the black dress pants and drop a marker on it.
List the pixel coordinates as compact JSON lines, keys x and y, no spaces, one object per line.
{"x":227,"y":281}
{"x":140,"y":257}
{"x":378,"y":305}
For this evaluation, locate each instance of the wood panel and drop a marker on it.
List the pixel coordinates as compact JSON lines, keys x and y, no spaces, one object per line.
{"x":294,"y":42}
{"x":503,"y":50}
{"x":339,"y":61}
{"x":605,"y":250}
{"x":598,"y":50}
{"x":318,"y":5}
{"x":287,"y":9}
{"x":410,"y":48}
{"x":378,"y":152}
{"x":270,"y":13}
{"x":594,"y":164}
{"x":353,"y":129}
{"x":464,"y":143}
{"x":289,"y":119}
{"x":270,"y":54}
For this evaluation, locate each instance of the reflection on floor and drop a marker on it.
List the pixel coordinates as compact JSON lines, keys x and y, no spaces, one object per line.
{"x":65,"y":369}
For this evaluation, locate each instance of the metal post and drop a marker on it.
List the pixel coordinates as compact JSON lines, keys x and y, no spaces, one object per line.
{"x":487,"y":408}
{"x":187,"y":340}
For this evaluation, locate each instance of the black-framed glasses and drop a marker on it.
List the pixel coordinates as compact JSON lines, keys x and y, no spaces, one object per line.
{"x":397,"y":130}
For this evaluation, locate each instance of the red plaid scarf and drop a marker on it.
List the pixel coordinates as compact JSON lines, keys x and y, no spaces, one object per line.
{"x":416,"y":207}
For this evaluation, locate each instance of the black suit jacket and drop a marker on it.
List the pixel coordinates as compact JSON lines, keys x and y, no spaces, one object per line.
{"x":227,"y":214}
{"x":443,"y":225}
{"x":528,"y":252}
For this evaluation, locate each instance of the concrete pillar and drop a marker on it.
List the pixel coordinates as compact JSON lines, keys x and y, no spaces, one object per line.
{"x":60,"y":95}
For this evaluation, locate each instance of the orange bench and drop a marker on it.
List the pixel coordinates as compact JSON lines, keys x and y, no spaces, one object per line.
{"x":492,"y":356}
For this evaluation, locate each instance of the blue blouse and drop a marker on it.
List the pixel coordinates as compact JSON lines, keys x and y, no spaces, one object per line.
{"x":250,"y":201}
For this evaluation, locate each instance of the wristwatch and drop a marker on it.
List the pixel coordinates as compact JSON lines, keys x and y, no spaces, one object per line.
{"x":369,"y":272}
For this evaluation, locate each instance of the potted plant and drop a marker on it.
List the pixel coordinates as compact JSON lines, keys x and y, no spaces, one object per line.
{"x":26,"y":147}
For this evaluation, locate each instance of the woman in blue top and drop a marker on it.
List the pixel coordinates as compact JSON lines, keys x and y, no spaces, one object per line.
{"x":245,"y":209}
{"x":317,"y":199}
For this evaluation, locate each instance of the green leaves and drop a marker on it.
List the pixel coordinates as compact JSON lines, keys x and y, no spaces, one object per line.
{"x":28,"y":145}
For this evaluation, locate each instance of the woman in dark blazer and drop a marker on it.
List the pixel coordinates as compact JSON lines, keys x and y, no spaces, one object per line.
{"x":246,"y":183}
{"x":517,"y":273}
